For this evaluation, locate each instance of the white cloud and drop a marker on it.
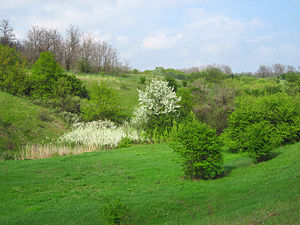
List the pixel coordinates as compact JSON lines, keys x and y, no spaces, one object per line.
{"x":263,"y":38}
{"x":161,"y":41}
{"x":182,"y":36}
{"x":122,"y":39}
{"x":7,"y":5}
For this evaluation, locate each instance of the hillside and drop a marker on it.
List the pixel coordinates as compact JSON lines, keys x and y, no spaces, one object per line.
{"x":148,"y":180}
{"x":22,"y":122}
{"x":125,"y":87}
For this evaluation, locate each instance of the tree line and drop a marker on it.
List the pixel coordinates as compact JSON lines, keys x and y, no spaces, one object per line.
{"x":75,"y":50}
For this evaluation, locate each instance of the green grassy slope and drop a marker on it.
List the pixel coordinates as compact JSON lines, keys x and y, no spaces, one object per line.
{"x":22,"y":122}
{"x":125,"y":87}
{"x":148,"y":179}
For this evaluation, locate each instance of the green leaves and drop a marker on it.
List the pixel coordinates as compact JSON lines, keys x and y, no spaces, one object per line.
{"x":103,"y":105}
{"x":48,"y":80}
{"x":260,"y":124}
{"x":199,"y":148}
{"x":13,"y":78}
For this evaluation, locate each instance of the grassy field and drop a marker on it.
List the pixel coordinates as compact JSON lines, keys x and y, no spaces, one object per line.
{"x":148,"y":180}
{"x":21,"y":122}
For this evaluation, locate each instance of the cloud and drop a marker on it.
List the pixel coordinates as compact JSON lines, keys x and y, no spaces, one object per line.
{"x":122,"y":39}
{"x":161,"y":41}
{"x":263,"y":38}
{"x":171,"y":33}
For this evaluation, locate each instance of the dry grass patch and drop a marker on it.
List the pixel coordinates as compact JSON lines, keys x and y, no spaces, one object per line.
{"x":38,"y":151}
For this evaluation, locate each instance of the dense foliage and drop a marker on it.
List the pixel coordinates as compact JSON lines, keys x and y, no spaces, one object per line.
{"x":259,"y":124}
{"x":103,"y":105}
{"x":48,"y":79}
{"x":199,"y":148}
{"x":12,"y":71}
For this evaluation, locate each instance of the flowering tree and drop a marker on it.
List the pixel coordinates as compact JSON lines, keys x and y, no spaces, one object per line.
{"x":157,"y":100}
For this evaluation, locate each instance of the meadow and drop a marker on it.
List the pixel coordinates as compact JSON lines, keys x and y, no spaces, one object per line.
{"x":148,"y":180}
{"x":153,"y":147}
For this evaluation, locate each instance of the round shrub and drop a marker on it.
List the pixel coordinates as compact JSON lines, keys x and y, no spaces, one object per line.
{"x":48,"y":76}
{"x":198,"y":146}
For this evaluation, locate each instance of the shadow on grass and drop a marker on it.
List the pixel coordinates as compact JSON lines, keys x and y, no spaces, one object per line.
{"x":227,"y":170}
{"x":268,"y":157}
{"x":245,"y":161}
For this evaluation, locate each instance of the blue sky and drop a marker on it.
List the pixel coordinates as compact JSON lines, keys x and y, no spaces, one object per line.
{"x":175,"y":33}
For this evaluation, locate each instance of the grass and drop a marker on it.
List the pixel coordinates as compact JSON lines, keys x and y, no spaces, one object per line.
{"x":125,"y":86}
{"x":22,"y":122}
{"x":148,"y":180}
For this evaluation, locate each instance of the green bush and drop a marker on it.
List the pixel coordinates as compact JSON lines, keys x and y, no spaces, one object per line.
{"x":142,"y":80}
{"x":278,"y":112}
{"x":198,"y":146}
{"x":186,"y":103}
{"x":125,"y":142}
{"x":114,"y":212}
{"x":184,"y":83}
{"x":261,"y":139}
{"x":172,"y":82}
{"x":103,"y":105}
{"x":48,"y":80}
{"x":13,"y":77}
{"x":292,"y":84}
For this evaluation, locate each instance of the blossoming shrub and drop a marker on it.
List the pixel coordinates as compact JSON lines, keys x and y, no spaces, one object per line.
{"x":260,"y":124}
{"x":100,"y":133}
{"x":198,"y":146}
{"x":157,"y":109}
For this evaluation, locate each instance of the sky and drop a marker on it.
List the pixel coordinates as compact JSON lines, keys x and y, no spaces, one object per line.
{"x":242,"y":34}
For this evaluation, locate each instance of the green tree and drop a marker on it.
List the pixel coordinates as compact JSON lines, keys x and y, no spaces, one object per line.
{"x":103,"y":104}
{"x":13,"y":77}
{"x":157,"y":109}
{"x":47,"y":75}
{"x":186,"y":103}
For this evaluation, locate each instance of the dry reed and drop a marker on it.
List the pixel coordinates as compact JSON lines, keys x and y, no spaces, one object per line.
{"x":37,"y":151}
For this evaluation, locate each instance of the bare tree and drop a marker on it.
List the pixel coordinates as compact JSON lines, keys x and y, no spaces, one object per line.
{"x":264,"y":71}
{"x":73,"y":51}
{"x":278,"y":69}
{"x":290,"y":69}
{"x":88,"y":53}
{"x":7,"y":36}
{"x":40,"y":39}
{"x":72,"y":46}
{"x":99,"y":56}
{"x":226,"y":69}
{"x":191,"y":70}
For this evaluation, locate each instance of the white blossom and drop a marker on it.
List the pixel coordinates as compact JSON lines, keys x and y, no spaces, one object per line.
{"x":157,"y":99}
{"x":100,"y":133}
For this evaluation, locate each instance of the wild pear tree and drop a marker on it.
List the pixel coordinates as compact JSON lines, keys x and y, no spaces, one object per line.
{"x":158,"y":106}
